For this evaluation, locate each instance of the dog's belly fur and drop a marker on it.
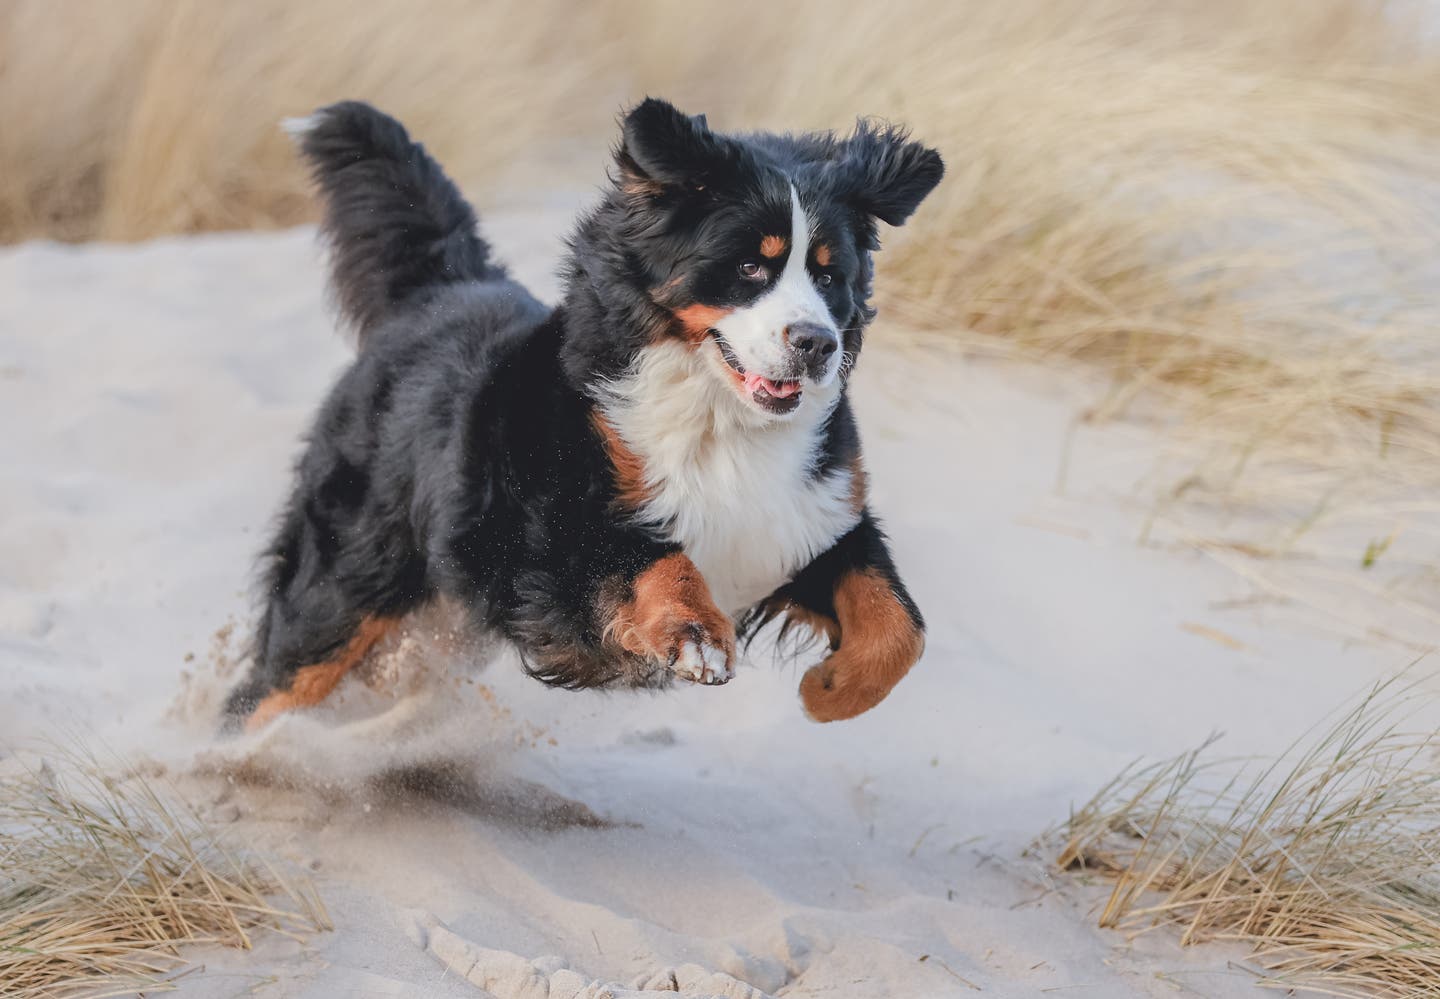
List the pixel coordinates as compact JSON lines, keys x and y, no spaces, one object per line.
{"x":745,"y":500}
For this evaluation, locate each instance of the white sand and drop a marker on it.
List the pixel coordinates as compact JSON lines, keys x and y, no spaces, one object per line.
{"x":152,"y":397}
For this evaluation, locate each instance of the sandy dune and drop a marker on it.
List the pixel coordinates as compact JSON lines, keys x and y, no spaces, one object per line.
{"x":152,"y":398}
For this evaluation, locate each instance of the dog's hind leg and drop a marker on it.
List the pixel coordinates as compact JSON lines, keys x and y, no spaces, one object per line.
{"x":311,"y":684}
{"x":322,"y":616}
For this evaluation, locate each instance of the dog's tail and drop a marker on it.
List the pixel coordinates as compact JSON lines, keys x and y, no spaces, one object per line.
{"x":396,"y":225}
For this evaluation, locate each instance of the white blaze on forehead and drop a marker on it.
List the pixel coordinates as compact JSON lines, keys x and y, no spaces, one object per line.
{"x":756,"y":333}
{"x":799,"y":241}
{"x":796,"y":289}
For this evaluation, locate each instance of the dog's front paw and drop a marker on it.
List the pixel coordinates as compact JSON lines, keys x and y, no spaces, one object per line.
{"x":698,"y":660}
{"x":880,"y":639}
{"x":672,"y":620}
{"x":701,"y":652}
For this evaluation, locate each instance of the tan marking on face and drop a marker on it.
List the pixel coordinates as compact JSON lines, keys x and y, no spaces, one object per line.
{"x":631,"y":489}
{"x":822,"y":254}
{"x":697,"y":320}
{"x":859,"y":484}
{"x":312,"y":684}
{"x":773,"y":246}
{"x":878,"y":645}
{"x":669,"y":604}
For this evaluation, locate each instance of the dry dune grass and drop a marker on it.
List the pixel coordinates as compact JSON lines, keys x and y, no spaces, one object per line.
{"x":103,"y":878}
{"x":138,"y":118}
{"x":1324,"y":861}
{"x":1230,"y":204}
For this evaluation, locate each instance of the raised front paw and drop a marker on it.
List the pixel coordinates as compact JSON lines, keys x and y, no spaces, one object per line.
{"x":694,"y":650}
{"x":699,"y":659}
{"x":880,"y":639}
{"x":671,"y":619}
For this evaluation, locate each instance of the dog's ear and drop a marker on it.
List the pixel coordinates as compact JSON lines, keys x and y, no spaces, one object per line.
{"x":662,"y":147}
{"x":886,"y":175}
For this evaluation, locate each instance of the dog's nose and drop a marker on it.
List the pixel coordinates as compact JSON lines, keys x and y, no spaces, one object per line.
{"x":814,"y":344}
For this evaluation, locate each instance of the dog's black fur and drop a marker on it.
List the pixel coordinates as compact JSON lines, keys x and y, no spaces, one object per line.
{"x":459,"y":455}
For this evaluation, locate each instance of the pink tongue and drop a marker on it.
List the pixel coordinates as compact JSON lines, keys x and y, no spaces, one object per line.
{"x":780,"y":390}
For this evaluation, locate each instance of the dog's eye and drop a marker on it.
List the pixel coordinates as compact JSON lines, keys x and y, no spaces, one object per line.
{"x":823,"y":279}
{"x":752,"y":271}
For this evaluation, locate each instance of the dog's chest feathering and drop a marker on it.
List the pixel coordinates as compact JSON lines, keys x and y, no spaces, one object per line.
{"x":740,"y":496}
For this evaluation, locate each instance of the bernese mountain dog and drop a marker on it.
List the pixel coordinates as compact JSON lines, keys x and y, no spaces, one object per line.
{"x":620,"y":485}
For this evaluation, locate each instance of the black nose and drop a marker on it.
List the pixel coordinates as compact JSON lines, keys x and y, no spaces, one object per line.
{"x":814,"y":343}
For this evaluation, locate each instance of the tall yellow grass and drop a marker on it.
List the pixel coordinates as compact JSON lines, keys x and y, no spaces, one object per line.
{"x":138,"y":118}
{"x":1228,"y":203}
{"x":1323,"y":861}
{"x":103,"y":877}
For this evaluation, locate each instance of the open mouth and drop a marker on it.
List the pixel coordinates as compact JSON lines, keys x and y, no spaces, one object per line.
{"x":768,"y":394}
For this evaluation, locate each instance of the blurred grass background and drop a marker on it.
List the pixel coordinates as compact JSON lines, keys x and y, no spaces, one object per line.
{"x":1233,"y":206}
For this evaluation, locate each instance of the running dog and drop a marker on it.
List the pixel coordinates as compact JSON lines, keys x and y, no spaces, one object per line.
{"x":622,"y":484}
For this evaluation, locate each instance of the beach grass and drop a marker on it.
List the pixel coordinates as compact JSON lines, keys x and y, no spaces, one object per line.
{"x":103,"y":878}
{"x":1323,"y":861}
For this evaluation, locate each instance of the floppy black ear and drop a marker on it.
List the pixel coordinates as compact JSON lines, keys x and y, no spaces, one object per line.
{"x":661,"y":146}
{"x":887,"y":175}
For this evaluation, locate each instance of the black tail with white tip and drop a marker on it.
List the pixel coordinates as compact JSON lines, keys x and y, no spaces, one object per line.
{"x":396,"y":225}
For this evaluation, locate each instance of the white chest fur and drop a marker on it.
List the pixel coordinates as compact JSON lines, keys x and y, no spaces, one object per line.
{"x":737,"y":491}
